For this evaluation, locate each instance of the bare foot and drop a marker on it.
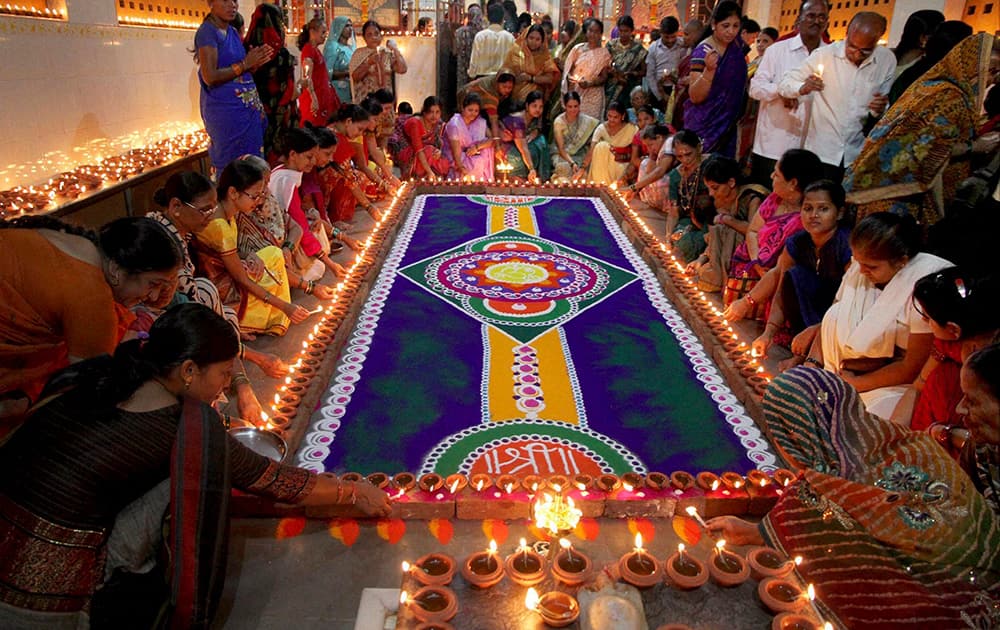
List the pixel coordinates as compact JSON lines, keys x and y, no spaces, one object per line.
{"x":245,"y":336}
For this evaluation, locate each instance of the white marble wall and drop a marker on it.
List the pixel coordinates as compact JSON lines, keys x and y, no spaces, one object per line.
{"x":420,"y":80}
{"x":75,"y":92}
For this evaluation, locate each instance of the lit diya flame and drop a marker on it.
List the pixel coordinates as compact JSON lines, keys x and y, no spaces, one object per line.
{"x":509,"y":488}
{"x":715,"y":485}
{"x":454,"y":486}
{"x":627,"y":486}
{"x":406,"y":566}
{"x":798,"y":560}
{"x":811,"y":593}
{"x":404,"y":598}
{"x":479,"y":485}
{"x":531,"y":599}
{"x":492,"y":548}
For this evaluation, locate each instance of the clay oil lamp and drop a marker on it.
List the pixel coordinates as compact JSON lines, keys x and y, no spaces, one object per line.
{"x":639,"y":568}
{"x":455,"y":483}
{"x":608,"y":483}
{"x":404,"y":481}
{"x":633,"y":479}
{"x":797,"y":621}
{"x":434,"y":569}
{"x":430,"y":483}
{"x":525,"y":566}
{"x":681,"y":482}
{"x":766,"y":562}
{"x":707,"y":481}
{"x":533,"y":483}
{"x":557,"y":481}
{"x":480,"y":482}
{"x":435,"y":625}
{"x":674,"y":626}
{"x":733,"y":481}
{"x":353,"y":477}
{"x":657,"y":481}
{"x":431,"y":604}
{"x":556,"y":609}
{"x":727,"y":568}
{"x":379,"y":480}
{"x":781,"y":595}
{"x":685,"y":571}
{"x":783,"y":477}
{"x":506,"y":484}
{"x":569,"y":566}
{"x":483,"y":569}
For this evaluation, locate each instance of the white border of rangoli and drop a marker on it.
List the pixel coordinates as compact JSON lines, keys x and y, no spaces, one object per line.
{"x":326,"y":420}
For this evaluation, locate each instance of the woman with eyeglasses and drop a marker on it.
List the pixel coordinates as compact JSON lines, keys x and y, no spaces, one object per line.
{"x":65,"y":295}
{"x":961,"y":310}
{"x":259,"y":290}
{"x":872,"y":336}
{"x":189,"y":202}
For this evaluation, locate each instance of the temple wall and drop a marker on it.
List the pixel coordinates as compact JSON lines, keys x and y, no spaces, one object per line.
{"x":76,"y":91}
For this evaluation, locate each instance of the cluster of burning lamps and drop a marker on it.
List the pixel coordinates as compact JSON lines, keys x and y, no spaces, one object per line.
{"x":435,"y":602}
{"x":556,"y":513}
{"x":18,"y":10}
{"x":70,"y":185}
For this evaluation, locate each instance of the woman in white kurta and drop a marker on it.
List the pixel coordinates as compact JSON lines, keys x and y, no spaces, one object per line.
{"x":872,"y":335}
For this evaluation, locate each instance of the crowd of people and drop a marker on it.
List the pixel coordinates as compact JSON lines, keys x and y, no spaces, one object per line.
{"x":841,"y":193}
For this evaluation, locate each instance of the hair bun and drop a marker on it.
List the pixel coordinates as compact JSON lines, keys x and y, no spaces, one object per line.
{"x":160,"y":197}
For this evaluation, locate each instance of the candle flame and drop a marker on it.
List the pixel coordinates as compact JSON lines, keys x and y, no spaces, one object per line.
{"x":403,"y":597}
{"x":638,"y":540}
{"x":720,"y":546}
{"x":827,"y":626}
{"x":763,"y":482}
{"x":798,"y":560}
{"x":557,"y":488}
{"x":738,"y":484}
{"x":493,"y":546}
{"x":523,"y":543}
{"x":715,"y":485}
{"x":581,"y":486}
{"x":691,"y":510}
{"x":479,"y":485}
{"x":565,"y":543}
{"x":627,"y":487}
{"x":454,"y":486}
{"x":534,"y":486}
{"x":406,"y":566}
{"x":531,"y":599}
{"x":509,"y":488}
{"x":811,"y":590}
{"x":680,"y":548}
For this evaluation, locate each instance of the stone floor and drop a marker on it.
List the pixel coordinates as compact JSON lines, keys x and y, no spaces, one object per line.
{"x":314,"y":580}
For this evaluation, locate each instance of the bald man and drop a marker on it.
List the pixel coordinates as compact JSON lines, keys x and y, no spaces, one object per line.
{"x":846,"y":83}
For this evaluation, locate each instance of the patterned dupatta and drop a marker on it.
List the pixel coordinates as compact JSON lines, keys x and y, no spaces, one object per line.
{"x":199,"y":518}
{"x":915,"y":545}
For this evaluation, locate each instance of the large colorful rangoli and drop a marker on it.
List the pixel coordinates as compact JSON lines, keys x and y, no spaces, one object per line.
{"x":524,"y":335}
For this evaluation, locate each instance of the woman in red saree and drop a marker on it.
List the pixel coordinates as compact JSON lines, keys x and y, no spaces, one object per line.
{"x":127,"y":431}
{"x":422,"y":154}
{"x":318,"y":99}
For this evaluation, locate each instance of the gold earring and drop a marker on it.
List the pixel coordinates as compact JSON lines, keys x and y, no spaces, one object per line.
{"x":187,"y":384}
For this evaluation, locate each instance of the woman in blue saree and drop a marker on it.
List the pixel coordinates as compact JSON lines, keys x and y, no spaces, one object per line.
{"x":230,"y":106}
{"x":718,"y":74}
{"x":339,"y":47}
{"x":524,"y":146}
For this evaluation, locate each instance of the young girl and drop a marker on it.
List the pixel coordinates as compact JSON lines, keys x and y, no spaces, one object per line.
{"x":962,"y":312}
{"x":524,"y":146}
{"x":318,"y":192}
{"x":298,"y":153}
{"x":801,"y":287}
{"x":347,"y":184}
{"x":258,"y":289}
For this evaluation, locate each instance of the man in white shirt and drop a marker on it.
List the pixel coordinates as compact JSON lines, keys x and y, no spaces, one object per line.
{"x":780,"y":121}
{"x":491,"y":44}
{"x":662,"y":59}
{"x":851,"y":80}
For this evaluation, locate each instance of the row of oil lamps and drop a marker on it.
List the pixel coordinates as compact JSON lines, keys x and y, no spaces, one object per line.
{"x":69,"y":185}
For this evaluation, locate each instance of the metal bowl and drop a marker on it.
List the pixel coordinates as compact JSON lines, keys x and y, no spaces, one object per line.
{"x":266,"y":443}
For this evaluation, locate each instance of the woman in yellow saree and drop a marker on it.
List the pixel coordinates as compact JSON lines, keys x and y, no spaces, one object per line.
{"x":258,"y":287}
{"x":532,"y":65}
{"x":612,"y":146}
